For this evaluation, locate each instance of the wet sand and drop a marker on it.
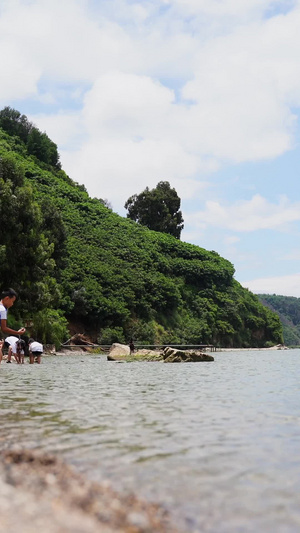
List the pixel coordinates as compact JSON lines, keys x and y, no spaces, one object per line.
{"x":39,"y":492}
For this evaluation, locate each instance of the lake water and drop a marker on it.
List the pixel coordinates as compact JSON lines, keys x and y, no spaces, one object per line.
{"x":217,"y":443}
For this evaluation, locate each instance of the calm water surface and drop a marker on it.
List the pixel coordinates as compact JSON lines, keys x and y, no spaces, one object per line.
{"x":216,"y":443}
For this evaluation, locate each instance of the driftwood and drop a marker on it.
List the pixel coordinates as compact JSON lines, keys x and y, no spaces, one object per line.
{"x":80,"y":340}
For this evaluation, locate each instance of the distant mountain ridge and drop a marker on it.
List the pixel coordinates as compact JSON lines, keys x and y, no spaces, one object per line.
{"x":288,"y":310}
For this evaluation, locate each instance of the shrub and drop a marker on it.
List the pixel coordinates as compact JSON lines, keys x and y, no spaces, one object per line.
{"x":111,"y":335}
{"x":49,"y":327}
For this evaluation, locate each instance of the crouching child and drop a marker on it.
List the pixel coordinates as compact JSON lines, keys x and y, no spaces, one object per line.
{"x":16,"y":347}
{"x":19,"y":352}
{"x":35,"y":351}
{"x":9,"y":343}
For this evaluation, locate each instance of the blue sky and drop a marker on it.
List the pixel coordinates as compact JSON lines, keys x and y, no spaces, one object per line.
{"x":204,"y":94}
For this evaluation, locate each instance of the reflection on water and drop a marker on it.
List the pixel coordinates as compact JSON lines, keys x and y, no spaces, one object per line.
{"x":217,"y":443}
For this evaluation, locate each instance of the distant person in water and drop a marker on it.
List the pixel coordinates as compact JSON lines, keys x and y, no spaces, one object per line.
{"x":35,"y":351}
{"x":8,"y":298}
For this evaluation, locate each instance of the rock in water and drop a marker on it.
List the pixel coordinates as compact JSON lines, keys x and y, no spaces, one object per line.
{"x":171,"y":355}
{"x":118,"y":351}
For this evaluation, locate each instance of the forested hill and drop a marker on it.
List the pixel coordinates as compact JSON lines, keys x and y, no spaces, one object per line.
{"x":288,"y":310}
{"x":72,"y":259}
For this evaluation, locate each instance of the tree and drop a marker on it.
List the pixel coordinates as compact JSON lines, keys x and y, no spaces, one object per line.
{"x":158,"y":209}
{"x":42,"y":147}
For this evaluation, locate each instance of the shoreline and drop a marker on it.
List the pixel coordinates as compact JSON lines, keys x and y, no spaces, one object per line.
{"x":273,"y":348}
{"x":146,"y":352}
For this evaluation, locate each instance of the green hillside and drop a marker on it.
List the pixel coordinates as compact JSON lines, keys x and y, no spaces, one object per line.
{"x":72,"y":259}
{"x":288,"y":310}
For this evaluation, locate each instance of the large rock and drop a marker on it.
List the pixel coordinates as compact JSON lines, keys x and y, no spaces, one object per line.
{"x":171,"y":355}
{"x":118,"y":351}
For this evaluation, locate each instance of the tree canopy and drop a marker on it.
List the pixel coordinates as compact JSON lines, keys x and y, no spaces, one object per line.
{"x":157,"y":209}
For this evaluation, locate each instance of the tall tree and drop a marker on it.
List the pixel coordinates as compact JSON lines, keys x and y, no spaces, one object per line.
{"x":158,"y":209}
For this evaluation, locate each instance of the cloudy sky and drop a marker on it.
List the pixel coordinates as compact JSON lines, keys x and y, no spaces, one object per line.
{"x":204,"y":94}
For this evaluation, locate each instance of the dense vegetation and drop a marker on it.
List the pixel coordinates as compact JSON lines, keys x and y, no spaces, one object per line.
{"x":70,"y":257}
{"x":288,"y":310}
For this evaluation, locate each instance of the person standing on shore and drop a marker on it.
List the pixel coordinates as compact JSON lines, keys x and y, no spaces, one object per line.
{"x":131,"y":346}
{"x":8,"y":298}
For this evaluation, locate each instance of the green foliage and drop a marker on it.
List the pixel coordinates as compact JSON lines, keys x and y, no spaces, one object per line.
{"x":111,"y":335}
{"x":50,"y":327}
{"x":39,"y":145}
{"x":145,"y":332}
{"x":28,"y":240}
{"x":62,"y":249}
{"x":157,"y":209}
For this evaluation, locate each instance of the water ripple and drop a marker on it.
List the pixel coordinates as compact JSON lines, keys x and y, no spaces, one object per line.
{"x":216,"y":443}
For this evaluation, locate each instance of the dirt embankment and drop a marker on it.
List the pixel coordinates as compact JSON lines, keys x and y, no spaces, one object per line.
{"x":39,"y":492}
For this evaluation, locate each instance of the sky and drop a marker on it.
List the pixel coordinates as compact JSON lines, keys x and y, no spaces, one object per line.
{"x":204,"y":94}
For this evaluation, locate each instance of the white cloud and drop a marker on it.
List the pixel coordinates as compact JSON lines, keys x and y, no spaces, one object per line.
{"x":294,"y":255}
{"x":63,"y":128}
{"x":221,"y":8}
{"x":282,"y":285}
{"x":132,"y":140}
{"x":231,"y":239}
{"x":127,"y":105}
{"x":255,"y":214}
{"x":10,"y":61}
{"x":116,"y":169}
{"x":118,"y":59}
{"x":60,"y":41}
{"x":244,"y":87}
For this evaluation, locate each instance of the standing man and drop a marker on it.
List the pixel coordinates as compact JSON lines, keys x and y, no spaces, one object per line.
{"x":8,"y":298}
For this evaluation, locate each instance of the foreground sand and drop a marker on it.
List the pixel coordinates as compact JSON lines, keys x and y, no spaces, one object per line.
{"x":40,"y":493}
